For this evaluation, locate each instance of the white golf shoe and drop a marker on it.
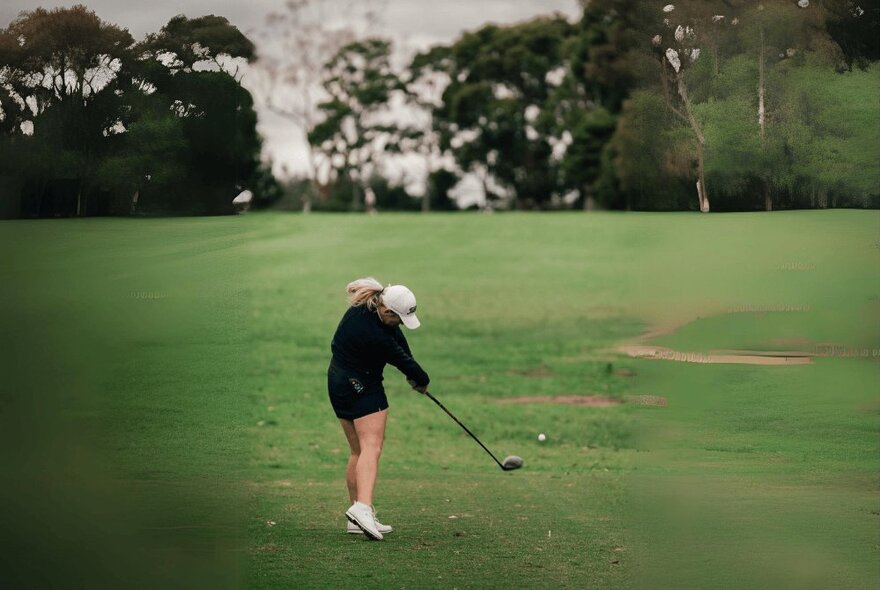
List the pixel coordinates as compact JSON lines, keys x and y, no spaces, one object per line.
{"x":361,"y":515}
{"x":355,"y":529}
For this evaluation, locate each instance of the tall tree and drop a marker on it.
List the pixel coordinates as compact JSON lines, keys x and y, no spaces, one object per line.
{"x":775,"y":31}
{"x":356,"y":128}
{"x":612,"y":56}
{"x":64,"y":74}
{"x":64,"y":55}
{"x":150,"y":154}
{"x":489,"y":116}
{"x":582,"y":164}
{"x":193,"y":65}
{"x":425,"y":81}
{"x":651,"y":153}
{"x":193,"y":40}
{"x":297,"y":42}
{"x":678,"y":48}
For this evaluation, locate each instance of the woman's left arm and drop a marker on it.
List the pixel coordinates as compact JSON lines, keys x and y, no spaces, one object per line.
{"x":401,"y":358}
{"x":401,"y":339}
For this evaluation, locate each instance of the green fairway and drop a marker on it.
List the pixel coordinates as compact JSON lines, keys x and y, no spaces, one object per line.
{"x":189,"y":357}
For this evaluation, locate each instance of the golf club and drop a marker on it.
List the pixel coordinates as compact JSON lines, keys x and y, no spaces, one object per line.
{"x":510,"y":463}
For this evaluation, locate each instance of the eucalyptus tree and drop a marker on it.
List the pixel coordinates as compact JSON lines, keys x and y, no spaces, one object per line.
{"x":759,"y":95}
{"x":750,"y":101}
{"x":358,"y":124}
{"x":678,"y":48}
{"x":425,"y":81}
{"x":297,"y":41}
{"x":774,"y":32}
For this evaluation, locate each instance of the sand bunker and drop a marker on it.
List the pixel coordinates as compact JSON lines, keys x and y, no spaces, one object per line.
{"x":637,"y":347}
{"x":747,"y":357}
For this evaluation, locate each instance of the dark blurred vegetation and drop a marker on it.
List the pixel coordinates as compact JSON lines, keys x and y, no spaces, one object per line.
{"x":705,"y":105}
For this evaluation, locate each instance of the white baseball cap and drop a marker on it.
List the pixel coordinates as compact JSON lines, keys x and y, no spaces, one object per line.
{"x":401,"y":301}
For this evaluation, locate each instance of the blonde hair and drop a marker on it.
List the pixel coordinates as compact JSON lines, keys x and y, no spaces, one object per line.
{"x":367,"y":291}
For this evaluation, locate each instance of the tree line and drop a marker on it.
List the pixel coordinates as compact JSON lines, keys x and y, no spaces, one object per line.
{"x":698,"y":105}
{"x":704,"y":105}
{"x":94,"y":123}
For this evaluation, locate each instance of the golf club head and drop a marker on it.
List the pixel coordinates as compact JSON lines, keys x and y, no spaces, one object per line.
{"x":511,"y":462}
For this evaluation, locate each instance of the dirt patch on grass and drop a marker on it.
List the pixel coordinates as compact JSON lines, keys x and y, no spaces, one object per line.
{"x":646,"y":400}
{"x":269,"y":548}
{"x":593,"y":401}
{"x":870,"y":407}
{"x":539,"y":371}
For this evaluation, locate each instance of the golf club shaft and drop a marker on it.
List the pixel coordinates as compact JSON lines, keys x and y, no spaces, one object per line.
{"x":473,"y":436}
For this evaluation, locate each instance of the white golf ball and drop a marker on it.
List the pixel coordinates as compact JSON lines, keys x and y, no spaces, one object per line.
{"x":541,"y":437}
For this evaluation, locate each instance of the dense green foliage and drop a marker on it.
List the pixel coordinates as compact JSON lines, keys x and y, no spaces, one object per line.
{"x":698,"y":119}
{"x":767,"y":111}
{"x":758,"y":105}
{"x":697,"y":105}
{"x":497,"y":89}
{"x":92,"y":123}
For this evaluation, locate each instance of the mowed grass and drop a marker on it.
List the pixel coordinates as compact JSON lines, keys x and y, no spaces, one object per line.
{"x":200,"y":348}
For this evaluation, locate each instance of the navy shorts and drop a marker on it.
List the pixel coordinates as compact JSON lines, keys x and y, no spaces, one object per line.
{"x":352,"y":396}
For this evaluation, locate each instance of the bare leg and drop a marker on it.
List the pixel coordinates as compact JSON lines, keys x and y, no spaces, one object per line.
{"x":350,"y":478}
{"x":371,"y":434}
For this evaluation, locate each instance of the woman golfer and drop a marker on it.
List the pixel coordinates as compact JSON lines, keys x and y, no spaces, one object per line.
{"x":368,"y":337}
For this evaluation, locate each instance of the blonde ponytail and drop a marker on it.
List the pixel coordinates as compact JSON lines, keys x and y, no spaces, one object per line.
{"x":367,"y":291}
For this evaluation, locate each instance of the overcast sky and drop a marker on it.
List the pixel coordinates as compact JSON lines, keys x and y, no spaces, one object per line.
{"x":441,"y":20}
{"x":416,"y":23}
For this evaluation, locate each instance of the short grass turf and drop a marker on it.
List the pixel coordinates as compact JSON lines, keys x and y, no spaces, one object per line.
{"x":189,"y":358}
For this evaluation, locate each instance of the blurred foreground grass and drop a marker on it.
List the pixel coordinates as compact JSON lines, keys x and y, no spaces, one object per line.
{"x":165,"y":420}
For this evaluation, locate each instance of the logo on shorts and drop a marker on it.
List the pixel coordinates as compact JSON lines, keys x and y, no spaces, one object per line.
{"x":358,"y":386}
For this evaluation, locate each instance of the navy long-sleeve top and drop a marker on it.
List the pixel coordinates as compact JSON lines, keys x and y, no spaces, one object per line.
{"x":363,"y":344}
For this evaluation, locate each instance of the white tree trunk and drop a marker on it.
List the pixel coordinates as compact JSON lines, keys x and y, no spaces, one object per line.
{"x":761,"y":111}
{"x":762,"y":121}
{"x":702,"y":193}
{"x":589,"y":203}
